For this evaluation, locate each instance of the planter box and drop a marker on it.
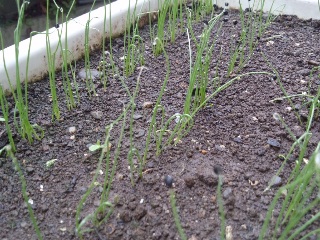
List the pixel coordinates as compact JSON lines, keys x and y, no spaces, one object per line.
{"x":234,"y":139}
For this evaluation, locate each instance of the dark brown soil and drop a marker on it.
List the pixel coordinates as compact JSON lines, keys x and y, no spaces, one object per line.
{"x":232,"y":132}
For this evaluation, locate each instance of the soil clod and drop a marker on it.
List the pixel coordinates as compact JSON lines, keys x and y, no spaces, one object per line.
{"x":274,"y":143}
{"x":189,"y":181}
{"x":97,"y":114}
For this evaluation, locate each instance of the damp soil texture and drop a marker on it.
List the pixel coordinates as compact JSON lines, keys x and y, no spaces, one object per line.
{"x":234,"y":135}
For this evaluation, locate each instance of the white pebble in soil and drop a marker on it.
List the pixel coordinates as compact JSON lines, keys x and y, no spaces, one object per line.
{"x":71,"y":130}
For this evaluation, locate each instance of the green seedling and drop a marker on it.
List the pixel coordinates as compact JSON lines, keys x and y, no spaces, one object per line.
{"x":157,"y":46}
{"x":2,"y":150}
{"x":154,"y":114}
{"x":175,"y":214}
{"x":298,"y":201}
{"x":66,"y":61}
{"x":253,"y":26}
{"x":51,"y":58}
{"x":199,"y":70}
{"x":24,"y":191}
{"x":135,"y":53}
{"x":176,"y":134}
{"x":301,"y":190}
{"x":277,"y":117}
{"x":221,"y":208}
{"x":276,"y":76}
{"x":132,"y":150}
{"x":133,"y":44}
{"x":22,"y":123}
{"x":87,"y":65}
{"x":105,"y":205}
{"x":173,"y":15}
{"x":50,"y":163}
{"x":208,"y":5}
{"x":5,"y":118}
{"x":97,"y":146}
{"x":104,"y":52}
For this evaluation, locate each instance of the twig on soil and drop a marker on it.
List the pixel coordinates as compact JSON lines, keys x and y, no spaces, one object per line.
{"x":271,"y":38}
{"x":148,"y":170}
{"x":183,"y":168}
{"x":98,"y":234}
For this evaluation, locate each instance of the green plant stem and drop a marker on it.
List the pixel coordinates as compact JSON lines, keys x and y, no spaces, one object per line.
{"x":176,"y":216}
{"x":51,"y":71}
{"x":221,"y":209}
{"x":24,"y":192}
{"x":153,"y":118}
{"x":108,"y":178}
{"x":280,"y":84}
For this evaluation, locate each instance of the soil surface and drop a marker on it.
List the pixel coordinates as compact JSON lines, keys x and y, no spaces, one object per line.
{"x":233,"y":132}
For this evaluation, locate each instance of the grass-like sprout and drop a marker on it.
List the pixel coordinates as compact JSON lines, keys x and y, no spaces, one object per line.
{"x":182,"y":4}
{"x":135,"y":52}
{"x":5,"y":109}
{"x":110,"y":176}
{"x":208,"y":5}
{"x":163,"y":11}
{"x":270,"y":17}
{"x":180,"y":130}
{"x":23,"y":125}
{"x":87,"y":65}
{"x":276,"y":76}
{"x":221,"y":208}
{"x":218,"y":90}
{"x":51,"y":59}
{"x":253,"y":26}
{"x":94,"y":217}
{"x":175,"y":214}
{"x":154,"y":113}
{"x":277,"y":117}
{"x":66,"y":61}
{"x":133,"y":45}
{"x":158,"y":134}
{"x":298,"y":142}
{"x":299,"y":191}
{"x":104,"y":203}
{"x":24,"y":190}
{"x":67,"y":84}
{"x":5,"y":119}
{"x":199,"y":72}
{"x":174,"y":135}
{"x":225,"y":86}
{"x":102,"y":68}
{"x":197,"y":10}
{"x":103,"y":63}
{"x":173,"y":15}
{"x":132,"y":150}
{"x":80,"y":224}
{"x":74,"y":84}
